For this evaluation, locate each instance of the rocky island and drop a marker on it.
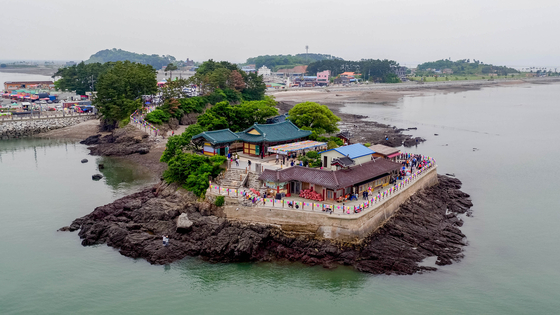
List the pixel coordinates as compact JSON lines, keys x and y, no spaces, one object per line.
{"x":426,"y":225}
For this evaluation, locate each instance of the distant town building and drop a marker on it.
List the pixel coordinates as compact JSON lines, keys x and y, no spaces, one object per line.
{"x":297,"y":70}
{"x":189,"y":63}
{"x":249,"y":69}
{"x":400,"y":72}
{"x":70,"y":63}
{"x":447,"y":71}
{"x":264,"y":71}
{"x":323,"y":77}
{"x":16,"y":85}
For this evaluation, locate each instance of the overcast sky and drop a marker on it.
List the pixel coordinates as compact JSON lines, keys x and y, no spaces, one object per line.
{"x":505,"y":32}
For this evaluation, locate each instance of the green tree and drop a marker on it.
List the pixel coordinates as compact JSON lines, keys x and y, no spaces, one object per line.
{"x":315,"y":117}
{"x":81,"y":77}
{"x":192,"y":171}
{"x":179,"y":143}
{"x":255,"y":88}
{"x":119,"y":89}
{"x":170,"y":68}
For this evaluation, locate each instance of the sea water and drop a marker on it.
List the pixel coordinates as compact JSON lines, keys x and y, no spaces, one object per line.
{"x":500,"y":141}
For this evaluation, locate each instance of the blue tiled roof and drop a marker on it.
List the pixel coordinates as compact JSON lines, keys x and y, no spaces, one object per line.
{"x":353,"y":151}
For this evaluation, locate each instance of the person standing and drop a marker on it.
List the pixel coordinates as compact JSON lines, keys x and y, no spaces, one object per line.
{"x":165,"y":240}
{"x":249,"y":164}
{"x":277,"y":158}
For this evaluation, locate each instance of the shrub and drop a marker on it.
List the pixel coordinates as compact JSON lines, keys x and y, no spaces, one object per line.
{"x":220,"y":200}
{"x":216,"y":97}
{"x":124,"y":122}
{"x":367,"y":144}
{"x":158,"y":117}
{"x":331,"y":145}
{"x":312,"y":155}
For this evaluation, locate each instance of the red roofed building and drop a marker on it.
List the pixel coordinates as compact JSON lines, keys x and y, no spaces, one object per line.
{"x":331,"y":184}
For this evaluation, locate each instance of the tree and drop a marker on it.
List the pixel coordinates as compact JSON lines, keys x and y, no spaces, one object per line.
{"x":255,"y":88}
{"x":236,"y":81}
{"x":170,"y":67}
{"x":175,"y":89}
{"x":315,"y":117}
{"x":192,"y":171}
{"x":119,"y":89}
{"x":81,"y":77}
{"x":179,"y":143}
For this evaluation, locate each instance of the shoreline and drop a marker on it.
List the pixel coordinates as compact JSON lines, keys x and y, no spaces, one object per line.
{"x":426,"y":225}
{"x":31,"y":70}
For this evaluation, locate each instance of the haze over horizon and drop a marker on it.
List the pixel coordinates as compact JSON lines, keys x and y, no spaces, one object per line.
{"x":512,"y":33}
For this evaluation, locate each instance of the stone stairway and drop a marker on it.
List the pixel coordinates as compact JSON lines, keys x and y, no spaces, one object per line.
{"x":231,"y":178}
{"x":253,"y":181}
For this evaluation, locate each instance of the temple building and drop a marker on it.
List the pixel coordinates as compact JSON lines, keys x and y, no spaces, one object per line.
{"x":331,"y":185}
{"x":256,"y":139}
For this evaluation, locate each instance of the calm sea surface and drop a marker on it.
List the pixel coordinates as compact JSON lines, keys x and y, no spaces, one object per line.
{"x":512,"y":263}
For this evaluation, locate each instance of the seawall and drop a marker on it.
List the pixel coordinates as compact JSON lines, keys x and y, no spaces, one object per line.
{"x":13,"y":129}
{"x":347,"y":228}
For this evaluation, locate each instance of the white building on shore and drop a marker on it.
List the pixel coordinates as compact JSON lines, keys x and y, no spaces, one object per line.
{"x":264,"y":71}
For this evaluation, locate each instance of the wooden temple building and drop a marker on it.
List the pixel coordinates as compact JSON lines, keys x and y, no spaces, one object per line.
{"x":256,"y":139}
{"x":332,"y":185}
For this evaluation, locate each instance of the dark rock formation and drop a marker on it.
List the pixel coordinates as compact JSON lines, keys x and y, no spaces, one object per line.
{"x":96,"y":177}
{"x":123,"y":141}
{"x":426,"y":225}
{"x":84,"y":160}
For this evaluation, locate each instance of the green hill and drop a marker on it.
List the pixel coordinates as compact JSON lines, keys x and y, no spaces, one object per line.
{"x":464,"y":67}
{"x":276,"y":62}
{"x":114,"y":54}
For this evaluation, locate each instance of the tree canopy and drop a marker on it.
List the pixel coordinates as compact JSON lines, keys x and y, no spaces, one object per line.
{"x":227,"y":77}
{"x":315,"y":117}
{"x":463,"y":67}
{"x":80,"y":77}
{"x":113,"y":55}
{"x":119,"y":89}
{"x":237,"y":117}
{"x":276,"y":62}
{"x":192,"y":171}
{"x":369,"y":69}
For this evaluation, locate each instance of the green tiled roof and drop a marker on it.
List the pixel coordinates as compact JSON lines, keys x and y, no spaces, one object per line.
{"x":217,"y":136}
{"x":282,"y":131}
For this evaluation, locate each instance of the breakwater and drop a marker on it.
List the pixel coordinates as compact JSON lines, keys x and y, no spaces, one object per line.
{"x":21,"y":128}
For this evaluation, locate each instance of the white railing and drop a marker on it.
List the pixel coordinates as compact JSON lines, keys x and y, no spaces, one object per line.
{"x":253,"y":198}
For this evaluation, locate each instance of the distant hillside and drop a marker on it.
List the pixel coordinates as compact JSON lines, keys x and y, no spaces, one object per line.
{"x":114,"y":54}
{"x":465,"y":67}
{"x":276,"y":62}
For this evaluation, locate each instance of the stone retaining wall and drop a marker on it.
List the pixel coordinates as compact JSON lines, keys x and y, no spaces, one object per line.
{"x":348,"y":228}
{"x":13,"y":129}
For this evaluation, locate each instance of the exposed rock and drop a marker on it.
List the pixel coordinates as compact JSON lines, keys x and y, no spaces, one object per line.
{"x":96,"y":177}
{"x":123,"y":141}
{"x":426,"y":225}
{"x":84,"y":160}
{"x":183,"y":222}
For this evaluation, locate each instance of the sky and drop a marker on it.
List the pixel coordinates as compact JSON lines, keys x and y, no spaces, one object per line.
{"x":515,"y":33}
